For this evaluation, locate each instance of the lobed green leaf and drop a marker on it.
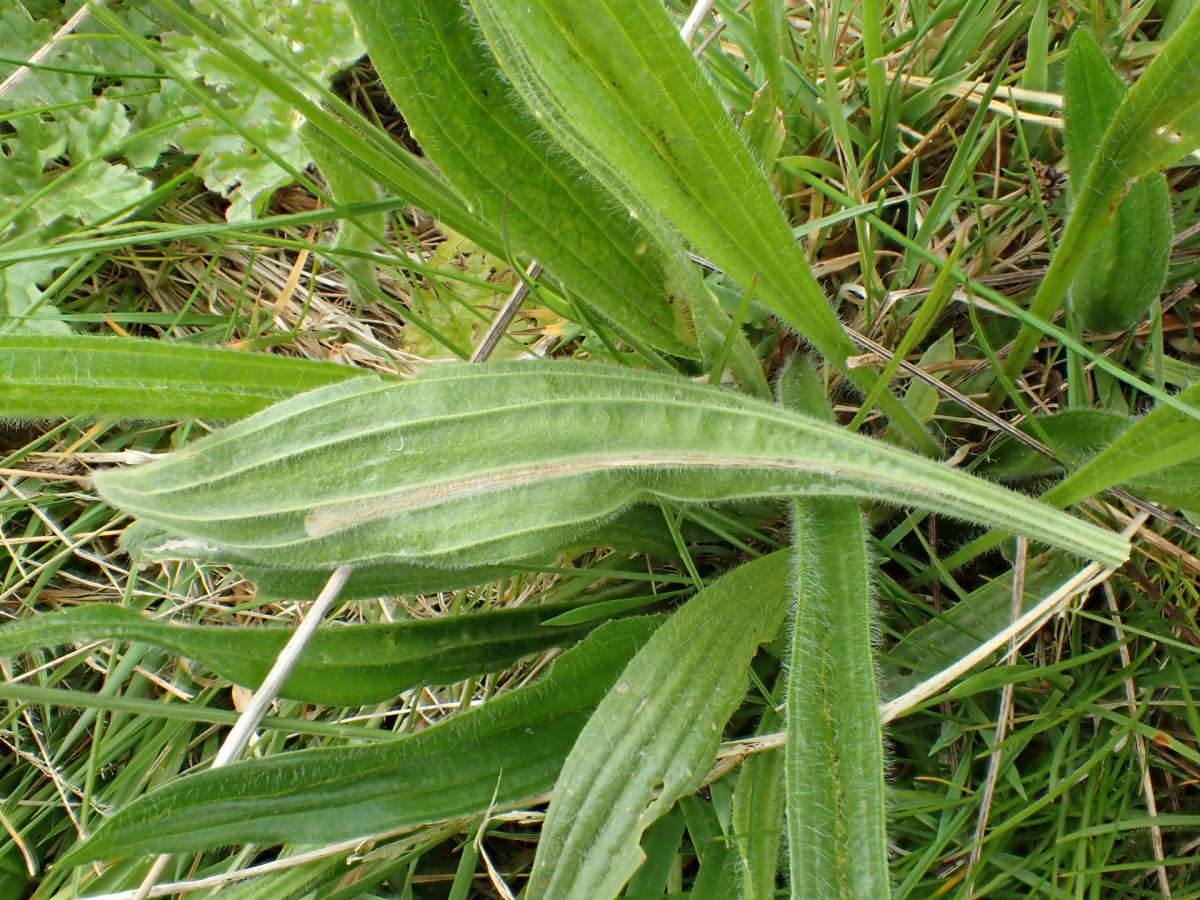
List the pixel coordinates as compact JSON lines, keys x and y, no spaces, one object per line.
{"x":343,"y":665}
{"x":504,"y":751}
{"x":482,"y":464}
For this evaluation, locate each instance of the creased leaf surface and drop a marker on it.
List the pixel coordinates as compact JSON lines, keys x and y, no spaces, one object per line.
{"x":659,"y":726}
{"x":471,"y":465}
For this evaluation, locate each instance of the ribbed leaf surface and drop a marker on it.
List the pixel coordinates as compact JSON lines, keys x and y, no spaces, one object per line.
{"x":343,"y":665}
{"x":833,"y":768}
{"x":469,"y":122}
{"x":658,"y":727}
{"x":485,"y":463}
{"x":510,"y":748}
{"x":612,"y":82}
{"x":836,"y":806}
{"x":472,"y":465}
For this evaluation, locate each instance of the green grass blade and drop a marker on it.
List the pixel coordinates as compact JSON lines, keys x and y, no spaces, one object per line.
{"x":371,"y":471}
{"x":613,"y":84}
{"x":468,"y":121}
{"x":655,"y":735}
{"x":930,"y":309}
{"x":757,"y":817}
{"x":131,"y":378}
{"x":833,"y":761}
{"x":510,"y":748}
{"x":344,"y":665}
{"x":1156,"y":124}
{"x":178,"y":711}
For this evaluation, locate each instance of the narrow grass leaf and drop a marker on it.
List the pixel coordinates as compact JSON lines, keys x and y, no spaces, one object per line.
{"x":1076,"y":435}
{"x":655,"y":735}
{"x":833,"y":761}
{"x":469,"y":122}
{"x":46,"y":376}
{"x":509,"y":749}
{"x":613,"y":83}
{"x":1124,"y":273}
{"x":927,"y":314}
{"x":920,"y":397}
{"x":343,"y":665}
{"x":757,"y":816}
{"x":360,"y":234}
{"x":1161,"y":439}
{"x":370,"y":471}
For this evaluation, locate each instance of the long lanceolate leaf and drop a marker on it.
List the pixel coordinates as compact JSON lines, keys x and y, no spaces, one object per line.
{"x":509,"y":749}
{"x":342,"y":665}
{"x":836,"y":808}
{"x":659,"y":727}
{"x":129,"y":378}
{"x":1156,"y":124}
{"x":1125,"y":271}
{"x":457,"y":104}
{"x":612,"y":82}
{"x":479,"y":464}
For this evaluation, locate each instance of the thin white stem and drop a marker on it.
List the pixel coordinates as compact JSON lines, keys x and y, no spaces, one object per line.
{"x":1139,"y":743}
{"x":1003,"y":718}
{"x":239,"y":736}
{"x":1023,"y":629}
{"x":1015,"y":635}
{"x":224,"y":878}
{"x":507,"y":312}
{"x":700,"y":11}
{"x":243,"y":730}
